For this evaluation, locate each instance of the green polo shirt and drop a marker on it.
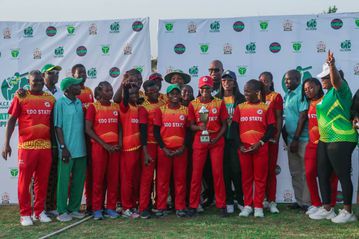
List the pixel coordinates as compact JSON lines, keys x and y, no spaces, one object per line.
{"x":293,"y":106}
{"x":69,"y":116}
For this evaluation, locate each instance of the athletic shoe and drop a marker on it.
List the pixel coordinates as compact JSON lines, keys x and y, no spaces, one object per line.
{"x":311,"y":210}
{"x":200,"y":208}
{"x":223,"y":212}
{"x":64,"y":217}
{"x":273,"y":207}
{"x":265,"y":204}
{"x":97,"y":215}
{"x":77,"y":215}
{"x":240,"y":207}
{"x":42,"y":217}
{"x":181,"y":213}
{"x":247,"y":210}
{"x":344,"y":216}
{"x":230,"y":208}
{"x":192,"y":212}
{"x":322,"y":213}
{"x":258,"y":212}
{"x":160,"y":213}
{"x":135,"y":213}
{"x":127,"y":213}
{"x":26,"y":221}
{"x":52,"y":213}
{"x":111,"y":213}
{"x":145,"y":214}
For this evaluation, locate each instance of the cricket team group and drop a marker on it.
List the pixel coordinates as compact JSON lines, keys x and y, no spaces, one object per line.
{"x":136,"y":152}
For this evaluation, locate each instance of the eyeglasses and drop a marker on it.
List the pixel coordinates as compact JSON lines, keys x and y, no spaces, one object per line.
{"x":53,"y":72}
{"x":216,"y":70}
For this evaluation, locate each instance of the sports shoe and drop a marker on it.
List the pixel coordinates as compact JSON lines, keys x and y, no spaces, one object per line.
{"x":52,"y":213}
{"x":240,"y":207}
{"x":77,"y":215}
{"x":230,"y":208}
{"x":192,"y":212}
{"x":111,"y":213}
{"x":26,"y":221}
{"x":135,"y":213}
{"x":247,"y":210}
{"x":311,"y":210}
{"x":42,"y":217}
{"x":265,"y":204}
{"x":258,"y":212}
{"x":273,"y":207}
{"x":130,"y":214}
{"x":145,"y":214}
{"x":97,"y":215}
{"x":344,"y":216}
{"x":322,"y":213}
{"x":160,"y":213}
{"x":181,"y":213}
{"x":200,"y":208}
{"x":64,"y":217}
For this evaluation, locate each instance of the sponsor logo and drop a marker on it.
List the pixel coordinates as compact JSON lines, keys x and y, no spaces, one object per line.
{"x":259,"y":111}
{"x":179,"y":48}
{"x":14,"y":172}
{"x":275,"y":47}
{"x":51,"y":31}
{"x":227,"y":49}
{"x":115,"y":27}
{"x":214,"y":110}
{"x":182,"y":117}
{"x":215,"y":26}
{"x":305,"y":73}
{"x":15,"y":53}
{"x":356,"y":69}
{"x":6,"y":33}
{"x":242,"y":70}
{"x":297,"y":46}
{"x":28,"y":32}
{"x":193,"y":71}
{"x":340,"y":196}
{"x":105,"y":50}
{"x":192,"y":27}
{"x":357,"y":22}
{"x":287,"y":26}
{"x":115,"y":113}
{"x":139,"y":68}
{"x":92,"y":73}
{"x":137,"y":26}
{"x":238,"y":26}
{"x":336,"y":23}
{"x":10,"y":85}
{"x":169,"y":27}
{"x":321,"y":47}
{"x":345,"y":45}
{"x":204,"y":48}
{"x":263,"y":25}
{"x":277,"y":170}
{"x":287,"y":196}
{"x":81,"y":51}
{"x":93,"y":29}
{"x":47,"y":104}
{"x":71,"y":30}
{"x":5,"y":198}
{"x":59,"y":51}
{"x":127,"y":50}
{"x":312,"y":25}
{"x":37,"y":54}
{"x":114,"y":72}
{"x":251,"y":48}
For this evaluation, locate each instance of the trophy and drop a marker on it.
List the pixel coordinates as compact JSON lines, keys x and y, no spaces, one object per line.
{"x":203,"y":117}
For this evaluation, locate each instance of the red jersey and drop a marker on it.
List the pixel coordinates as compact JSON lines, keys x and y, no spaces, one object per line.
{"x":217,"y":113}
{"x":105,"y":120}
{"x":151,"y":111}
{"x":34,"y":115}
{"x":86,"y":97}
{"x":173,"y":123}
{"x":253,"y":120}
{"x":313,"y":122}
{"x":275,"y":101}
{"x":129,"y":116}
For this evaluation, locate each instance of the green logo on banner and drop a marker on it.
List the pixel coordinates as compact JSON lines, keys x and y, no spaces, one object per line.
{"x":215,"y":26}
{"x":137,"y":26}
{"x":15,"y":53}
{"x":357,"y":22}
{"x":70,"y":30}
{"x":114,"y":72}
{"x":263,"y":25}
{"x":297,"y":46}
{"x":169,"y":27}
{"x":204,"y":48}
{"x":51,"y":31}
{"x":312,"y":24}
{"x":251,"y":48}
{"x":139,"y":68}
{"x":115,"y":27}
{"x":242,"y":70}
{"x":14,"y":172}
{"x":304,"y":71}
{"x":336,"y":24}
{"x":28,"y":32}
{"x":11,"y":84}
{"x":92,"y":73}
{"x":193,"y":71}
{"x":346,"y":45}
{"x":105,"y":49}
{"x":59,"y":52}
{"x":179,"y":48}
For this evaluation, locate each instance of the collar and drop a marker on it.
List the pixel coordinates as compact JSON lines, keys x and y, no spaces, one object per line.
{"x":69,"y":101}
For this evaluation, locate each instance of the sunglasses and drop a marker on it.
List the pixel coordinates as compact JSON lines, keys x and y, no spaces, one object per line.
{"x":216,"y":70}
{"x":53,"y":72}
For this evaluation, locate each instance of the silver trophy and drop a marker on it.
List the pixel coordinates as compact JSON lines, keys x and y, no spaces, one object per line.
{"x":203,"y":117}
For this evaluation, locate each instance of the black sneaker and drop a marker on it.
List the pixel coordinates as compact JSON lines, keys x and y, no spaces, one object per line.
{"x":160,"y":213}
{"x":223,"y":212}
{"x":192,"y":212}
{"x":145,"y":214}
{"x":181,"y":213}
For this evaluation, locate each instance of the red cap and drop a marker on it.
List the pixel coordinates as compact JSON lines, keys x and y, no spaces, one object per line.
{"x":205,"y":81}
{"x":155,"y":76}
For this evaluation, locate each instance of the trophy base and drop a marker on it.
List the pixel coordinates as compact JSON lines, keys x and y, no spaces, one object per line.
{"x":205,"y":139}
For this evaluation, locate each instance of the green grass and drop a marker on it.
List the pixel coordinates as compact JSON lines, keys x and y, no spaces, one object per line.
{"x":287,"y":224}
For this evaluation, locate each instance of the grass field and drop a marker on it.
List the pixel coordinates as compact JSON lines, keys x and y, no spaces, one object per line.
{"x":287,"y":224}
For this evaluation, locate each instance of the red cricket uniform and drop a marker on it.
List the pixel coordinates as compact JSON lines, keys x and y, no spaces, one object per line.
{"x":86,"y":97}
{"x":253,"y":120}
{"x":147,"y":171}
{"x":34,"y":117}
{"x":173,"y":124}
{"x":275,"y":101}
{"x":217,"y":113}
{"x":130,"y":158}
{"x":310,"y":159}
{"x":105,"y":165}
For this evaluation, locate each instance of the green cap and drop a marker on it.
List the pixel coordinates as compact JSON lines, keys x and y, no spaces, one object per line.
{"x":172,"y":87}
{"x":69,"y":81}
{"x":49,"y":67}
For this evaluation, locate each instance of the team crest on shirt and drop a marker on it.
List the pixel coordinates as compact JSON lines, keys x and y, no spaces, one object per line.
{"x":47,"y":104}
{"x":259,"y":111}
{"x":181,"y":117}
{"x":214,"y":111}
{"x":115,"y":113}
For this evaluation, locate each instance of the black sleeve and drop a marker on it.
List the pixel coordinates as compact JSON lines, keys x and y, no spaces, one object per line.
{"x":269,"y":133}
{"x":157,"y":134}
{"x":233,"y":134}
{"x":143,"y":134}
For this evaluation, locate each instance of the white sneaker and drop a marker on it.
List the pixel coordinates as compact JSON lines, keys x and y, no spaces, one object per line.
{"x":247,"y":210}
{"x":240,"y":207}
{"x":128,"y":213}
{"x":42,"y":217}
{"x":77,"y":215}
{"x":344,"y":216}
{"x":64,"y":217}
{"x":273,"y":207}
{"x":26,"y":221}
{"x":322,"y":213}
{"x":265,"y":204}
{"x":200,"y":208}
{"x":230,"y":208}
{"x":258,"y":212}
{"x":311,"y":210}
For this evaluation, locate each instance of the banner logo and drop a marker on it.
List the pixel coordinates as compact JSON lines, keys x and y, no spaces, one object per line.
{"x":51,"y":31}
{"x":81,"y":51}
{"x":263,"y":25}
{"x":193,"y":71}
{"x":321,"y":47}
{"x":5,"y":198}
{"x":92,"y":73}
{"x":297,"y":46}
{"x":59,"y":51}
{"x":14,"y":172}
{"x":28,"y":32}
{"x":10,"y":85}
{"x":238,"y":26}
{"x":127,"y":50}
{"x":356,"y":69}
{"x":7,"y":33}
{"x":105,"y":50}
{"x":139,"y":68}
{"x":227,"y":49}
{"x":93,"y":29}
{"x":192,"y":27}
{"x":312,"y":25}
{"x":251,"y":48}
{"x":169,"y":27}
{"x":357,"y":22}
{"x":215,"y":26}
{"x":37,"y":54}
{"x":275,"y":47}
{"x":242,"y":70}
{"x":137,"y":26}
{"x":70,"y":30}
{"x":287,"y":26}
{"x":336,"y":24}
{"x":15,"y":53}
{"x":114,"y":72}
{"x":346,"y":46}
{"x":204,"y":48}
{"x":179,"y":48}
{"x":287,"y":196}
{"x":304,"y":72}
{"x":115,"y":27}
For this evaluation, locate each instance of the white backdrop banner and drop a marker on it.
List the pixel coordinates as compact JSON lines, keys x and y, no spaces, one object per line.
{"x":251,"y":45}
{"x":107,"y":49}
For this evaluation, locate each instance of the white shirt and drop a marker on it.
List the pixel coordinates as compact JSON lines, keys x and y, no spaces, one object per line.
{"x":57,"y":93}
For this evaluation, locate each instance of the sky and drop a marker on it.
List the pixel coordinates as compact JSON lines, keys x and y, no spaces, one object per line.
{"x":77,"y":10}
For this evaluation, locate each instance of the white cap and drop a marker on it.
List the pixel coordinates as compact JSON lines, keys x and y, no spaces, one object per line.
{"x":325,"y":71}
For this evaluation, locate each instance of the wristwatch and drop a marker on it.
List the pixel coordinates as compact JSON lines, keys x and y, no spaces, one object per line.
{"x":62,"y":146}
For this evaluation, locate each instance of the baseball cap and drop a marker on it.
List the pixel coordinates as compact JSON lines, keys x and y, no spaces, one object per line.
{"x":69,"y":81}
{"x":229,"y":74}
{"x":205,"y":81}
{"x":49,"y":67}
{"x":155,"y":76}
{"x":325,"y":70}
{"x":186,"y":77}
{"x":172,"y":87}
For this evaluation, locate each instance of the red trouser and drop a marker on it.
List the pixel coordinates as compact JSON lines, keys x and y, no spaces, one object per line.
{"x":33,"y":163}
{"x":165,"y":166}
{"x":105,"y":170}
{"x":311,"y":173}
{"x":147,"y":173}
{"x":254,"y":167}
{"x":199,"y":158}
{"x":130,"y":166}
{"x":271,"y":188}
